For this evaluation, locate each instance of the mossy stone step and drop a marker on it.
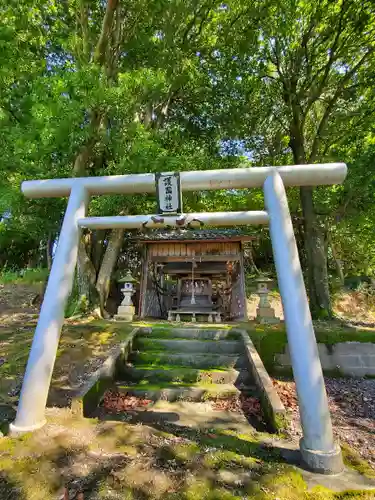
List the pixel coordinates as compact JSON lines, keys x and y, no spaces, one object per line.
{"x":180,"y":391}
{"x":189,"y":346}
{"x":194,"y":360}
{"x":183,"y":374}
{"x":190,"y":333}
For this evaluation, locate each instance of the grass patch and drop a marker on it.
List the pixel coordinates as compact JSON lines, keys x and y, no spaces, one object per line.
{"x":25,"y":276}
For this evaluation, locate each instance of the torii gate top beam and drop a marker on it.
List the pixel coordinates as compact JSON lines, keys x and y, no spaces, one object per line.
{"x":234,"y":178}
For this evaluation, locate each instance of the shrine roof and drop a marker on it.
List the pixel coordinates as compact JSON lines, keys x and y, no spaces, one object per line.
{"x":195,"y":235}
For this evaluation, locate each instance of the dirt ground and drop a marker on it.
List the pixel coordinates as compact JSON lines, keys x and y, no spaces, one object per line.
{"x":83,"y":347}
{"x":352,"y":406}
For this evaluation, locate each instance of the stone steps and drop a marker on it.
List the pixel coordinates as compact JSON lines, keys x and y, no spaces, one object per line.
{"x":190,"y":333}
{"x":187,"y":392}
{"x":193,"y":360}
{"x":164,"y":366}
{"x":186,"y":364}
{"x":183,"y":374}
{"x":189,"y":346}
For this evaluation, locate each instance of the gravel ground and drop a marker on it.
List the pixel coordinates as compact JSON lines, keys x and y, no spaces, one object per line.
{"x":352,"y":406}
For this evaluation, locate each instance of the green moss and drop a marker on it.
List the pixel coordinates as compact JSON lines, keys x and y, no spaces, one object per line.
{"x":355,"y":461}
{"x":203,"y":489}
{"x":171,"y":373}
{"x":280,"y":422}
{"x":272,"y":340}
{"x":30,"y":477}
{"x":269,"y":341}
{"x":159,"y":358}
{"x":152,"y":345}
{"x":173,"y":345}
{"x":144,"y":385}
{"x":180,"y":368}
{"x":285,"y":483}
{"x":247,"y":445}
{"x":91,"y":399}
{"x":212,"y":390}
{"x":331,"y":336}
{"x":321,"y":314}
{"x":181,"y":464}
{"x":187,"y":452}
{"x":224,"y":458}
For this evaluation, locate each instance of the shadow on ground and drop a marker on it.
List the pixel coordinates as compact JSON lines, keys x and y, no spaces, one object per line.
{"x":108,"y":459}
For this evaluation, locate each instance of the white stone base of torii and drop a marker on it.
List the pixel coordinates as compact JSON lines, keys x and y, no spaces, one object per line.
{"x":318,"y":448}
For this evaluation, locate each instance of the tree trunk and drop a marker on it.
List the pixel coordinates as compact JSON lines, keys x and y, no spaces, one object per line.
{"x":251,"y":258}
{"x":316,"y":260}
{"x":317,"y":272}
{"x":336,"y":259}
{"x":97,"y":247}
{"x":49,"y":249}
{"x":339,"y":268}
{"x":107,"y":47}
{"x":86,"y":277}
{"x":108,"y":264}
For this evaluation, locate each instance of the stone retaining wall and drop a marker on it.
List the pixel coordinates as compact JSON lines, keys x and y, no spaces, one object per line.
{"x":273,"y":409}
{"x":356,"y":359}
{"x":89,"y":396}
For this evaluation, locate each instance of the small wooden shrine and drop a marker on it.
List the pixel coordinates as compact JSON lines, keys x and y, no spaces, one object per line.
{"x":195,"y":275}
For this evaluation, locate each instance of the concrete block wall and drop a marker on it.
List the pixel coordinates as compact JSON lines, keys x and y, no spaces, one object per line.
{"x":355,"y":359}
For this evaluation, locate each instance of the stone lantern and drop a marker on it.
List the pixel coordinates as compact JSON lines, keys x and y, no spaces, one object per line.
{"x":265,"y":313}
{"x":126,"y":309}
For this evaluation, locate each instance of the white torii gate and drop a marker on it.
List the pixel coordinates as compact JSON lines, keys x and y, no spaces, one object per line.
{"x":318,"y":448}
